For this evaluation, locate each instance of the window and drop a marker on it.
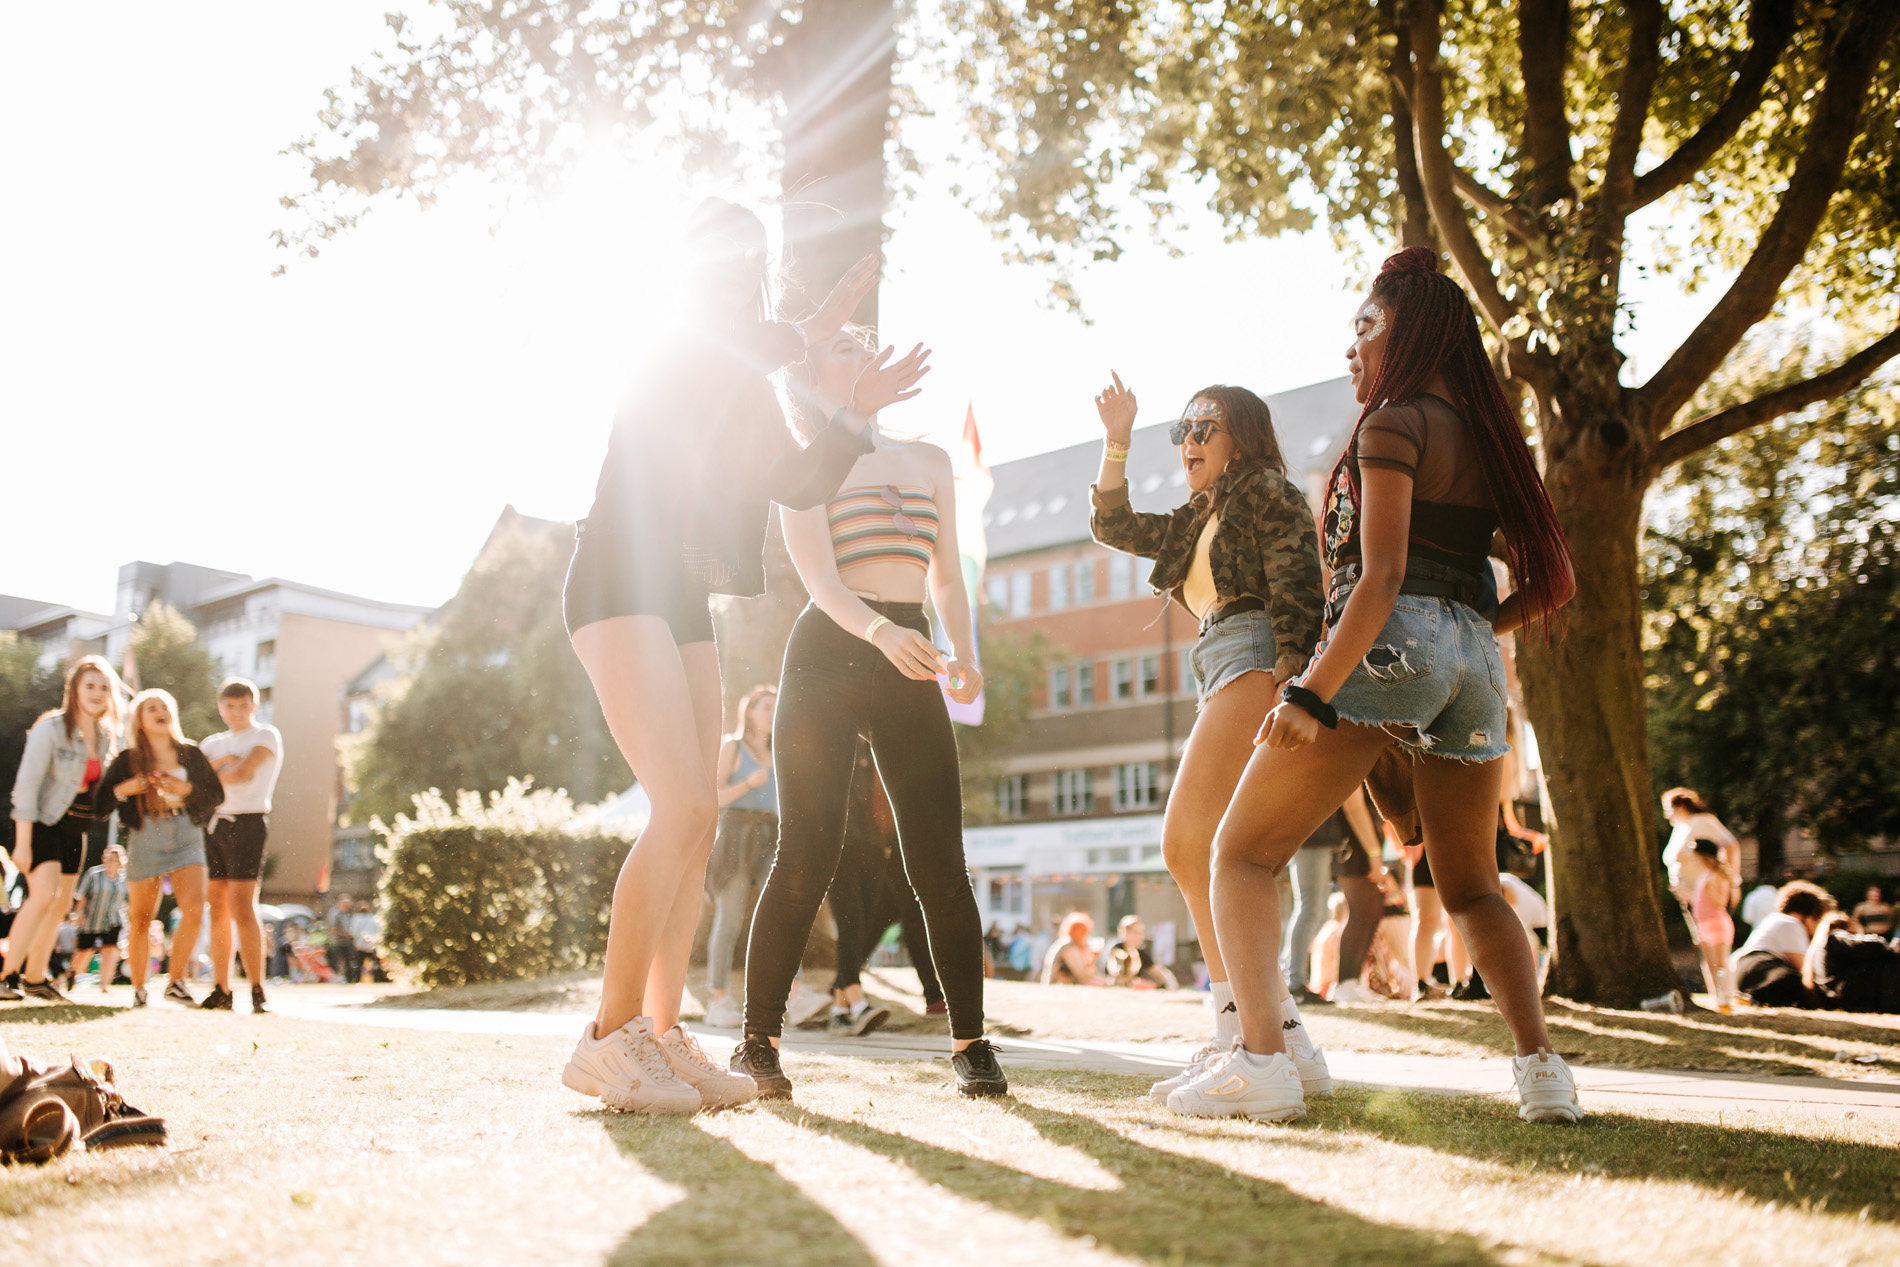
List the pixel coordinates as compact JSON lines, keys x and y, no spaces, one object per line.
{"x":1012,"y":795}
{"x":1084,"y":685}
{"x":1059,"y":686}
{"x":1184,"y":673}
{"x":1058,"y":587}
{"x":1072,"y":792}
{"x":1006,"y":893}
{"x":1019,"y":584}
{"x":1150,"y":676}
{"x":1085,"y":580}
{"x":1142,"y":569}
{"x":354,"y":854}
{"x":996,"y":589}
{"x":1124,"y":680}
{"x":1121,"y":576}
{"x":1137,"y":786}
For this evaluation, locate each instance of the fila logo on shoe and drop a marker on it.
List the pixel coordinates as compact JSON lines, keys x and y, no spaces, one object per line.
{"x":1233,"y":1084}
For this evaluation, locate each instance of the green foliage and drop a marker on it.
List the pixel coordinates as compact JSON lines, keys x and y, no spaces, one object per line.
{"x":1772,"y":636}
{"x":1013,"y":663}
{"x":166,"y":651}
{"x":490,"y":691}
{"x":490,"y":891}
{"x":26,"y":691}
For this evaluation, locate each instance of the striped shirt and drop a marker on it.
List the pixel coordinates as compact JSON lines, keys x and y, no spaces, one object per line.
{"x":105,"y":901}
{"x":864,"y":527}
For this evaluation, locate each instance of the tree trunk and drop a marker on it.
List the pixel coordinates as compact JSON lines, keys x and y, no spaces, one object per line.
{"x":1585,"y":695}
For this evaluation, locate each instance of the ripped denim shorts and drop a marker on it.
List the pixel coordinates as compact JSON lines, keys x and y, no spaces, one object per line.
{"x":1434,"y":680}
{"x":1240,"y":644}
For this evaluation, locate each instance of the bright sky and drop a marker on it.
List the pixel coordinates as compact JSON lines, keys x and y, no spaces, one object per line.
{"x":359,"y":423}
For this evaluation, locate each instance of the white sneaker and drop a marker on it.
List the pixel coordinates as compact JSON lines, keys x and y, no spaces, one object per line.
{"x":1355,"y":994}
{"x":1196,"y":1066}
{"x":1546,"y":1089}
{"x":1315,"y":1077}
{"x":804,"y":1004}
{"x":1241,"y":1084}
{"x":718,"y":1086}
{"x":629,"y":1071}
{"x":723,"y":1013}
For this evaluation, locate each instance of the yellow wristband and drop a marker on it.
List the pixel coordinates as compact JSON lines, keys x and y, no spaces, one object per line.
{"x":1114,"y":452}
{"x":870,"y":631}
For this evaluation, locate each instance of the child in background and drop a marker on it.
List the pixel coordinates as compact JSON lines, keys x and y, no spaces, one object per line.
{"x":1325,"y":958}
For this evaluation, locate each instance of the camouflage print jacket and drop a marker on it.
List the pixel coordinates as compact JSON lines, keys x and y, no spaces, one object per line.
{"x":1266,"y":545}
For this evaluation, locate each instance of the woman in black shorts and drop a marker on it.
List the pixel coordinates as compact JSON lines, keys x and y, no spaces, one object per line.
{"x":67,"y":751}
{"x":700,"y":448}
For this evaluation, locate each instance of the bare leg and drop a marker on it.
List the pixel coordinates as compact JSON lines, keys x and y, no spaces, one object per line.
{"x":249,"y":928}
{"x":1427,"y":916}
{"x":640,"y":678}
{"x":1457,"y":958}
{"x":1211,"y":766}
{"x":141,"y":899}
{"x":1457,"y":803}
{"x":42,"y":896}
{"x":108,"y":966}
{"x":219,"y":893}
{"x":1283,"y":797}
{"x":188,"y":883}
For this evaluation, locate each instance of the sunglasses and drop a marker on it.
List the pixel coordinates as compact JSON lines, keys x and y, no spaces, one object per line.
{"x":1201,"y":420}
{"x":901,"y":521}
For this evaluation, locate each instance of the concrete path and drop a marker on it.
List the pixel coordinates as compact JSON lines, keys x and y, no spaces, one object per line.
{"x":1606,"y":1089}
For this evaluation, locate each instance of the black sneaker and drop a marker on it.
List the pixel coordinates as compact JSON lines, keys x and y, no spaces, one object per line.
{"x":758,"y":1060}
{"x":43,"y":990}
{"x":138,"y":996}
{"x":257,"y":1000}
{"x":178,"y":993}
{"x":859,"y":1021}
{"x":10,"y":988}
{"x":977,"y":1070}
{"x":1307,"y":998}
{"x":219,"y":1000}
{"x":1472,"y":991}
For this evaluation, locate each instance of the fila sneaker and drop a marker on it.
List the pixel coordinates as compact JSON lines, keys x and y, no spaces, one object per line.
{"x":1315,"y":1077}
{"x":1196,"y":1066}
{"x":629,"y":1071}
{"x":1241,"y":1084}
{"x":718,"y":1087}
{"x":1546,"y":1089}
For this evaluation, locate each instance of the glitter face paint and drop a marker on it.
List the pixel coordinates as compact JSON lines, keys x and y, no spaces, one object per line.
{"x":1376,"y":315}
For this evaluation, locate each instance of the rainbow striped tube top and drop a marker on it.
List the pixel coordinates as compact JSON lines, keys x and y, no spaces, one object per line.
{"x":869,"y":525}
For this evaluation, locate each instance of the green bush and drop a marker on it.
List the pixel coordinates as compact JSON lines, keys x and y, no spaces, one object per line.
{"x":497,"y":890}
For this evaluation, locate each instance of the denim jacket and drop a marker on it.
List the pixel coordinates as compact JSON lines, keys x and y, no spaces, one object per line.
{"x":53,"y":767}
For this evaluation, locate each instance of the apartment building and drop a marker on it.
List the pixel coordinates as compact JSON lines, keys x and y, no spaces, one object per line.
{"x":1081,"y":796}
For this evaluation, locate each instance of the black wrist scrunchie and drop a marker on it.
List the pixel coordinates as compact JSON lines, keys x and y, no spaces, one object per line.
{"x":1323,"y":713}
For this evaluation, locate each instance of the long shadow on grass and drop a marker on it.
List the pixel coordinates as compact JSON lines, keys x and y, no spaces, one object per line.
{"x":1762,"y":1164}
{"x":59,"y":1014}
{"x":1169,"y":1209}
{"x":736,"y":1210}
{"x":1686,"y":1041}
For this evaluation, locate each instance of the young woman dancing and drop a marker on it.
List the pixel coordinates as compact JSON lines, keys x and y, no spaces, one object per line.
{"x":861,"y":663}
{"x":699,"y":450}
{"x":742,"y":849}
{"x":1436,"y":465}
{"x":165,"y":793}
{"x":66,"y":752}
{"x":1242,"y":556}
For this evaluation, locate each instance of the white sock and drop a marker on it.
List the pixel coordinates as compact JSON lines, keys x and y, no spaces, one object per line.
{"x":1258,"y":1062}
{"x":1226,"y":1014}
{"x":1298,"y":1042}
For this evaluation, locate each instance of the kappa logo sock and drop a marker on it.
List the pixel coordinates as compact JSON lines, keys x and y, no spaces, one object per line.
{"x":1229,"y":1008}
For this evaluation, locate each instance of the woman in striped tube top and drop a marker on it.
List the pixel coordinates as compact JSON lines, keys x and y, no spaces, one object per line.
{"x":861,"y":663}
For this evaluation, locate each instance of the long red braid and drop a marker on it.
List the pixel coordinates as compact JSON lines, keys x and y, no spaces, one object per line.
{"x":1435,"y":330}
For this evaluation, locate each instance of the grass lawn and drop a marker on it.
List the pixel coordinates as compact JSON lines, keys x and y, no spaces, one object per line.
{"x":299,"y":1141}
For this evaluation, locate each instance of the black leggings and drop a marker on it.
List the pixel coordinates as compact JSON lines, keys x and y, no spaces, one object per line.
{"x":870,"y":892}
{"x":836,"y":688}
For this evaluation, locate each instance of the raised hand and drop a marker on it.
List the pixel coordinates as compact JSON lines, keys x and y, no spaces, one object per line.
{"x":884,"y":384}
{"x":858,"y":281}
{"x":1116,"y":408}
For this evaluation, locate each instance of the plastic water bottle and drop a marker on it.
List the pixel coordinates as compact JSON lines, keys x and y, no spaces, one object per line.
{"x":1668,"y":1001}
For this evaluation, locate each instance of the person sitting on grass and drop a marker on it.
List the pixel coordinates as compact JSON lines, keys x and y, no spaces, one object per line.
{"x":1768,"y":967}
{"x":1873,"y":915}
{"x":1851,"y":972}
{"x":1070,"y":961}
{"x":1129,"y":962}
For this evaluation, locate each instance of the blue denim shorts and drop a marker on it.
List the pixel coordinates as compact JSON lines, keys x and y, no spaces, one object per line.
{"x":158,"y":846}
{"x":1240,"y":644}
{"x":1434,"y":680}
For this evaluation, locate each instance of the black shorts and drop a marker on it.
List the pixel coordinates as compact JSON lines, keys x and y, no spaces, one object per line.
{"x":234,"y":847}
{"x":1422,"y":873}
{"x":606,"y":579}
{"x":99,"y":941}
{"x":64,"y":842}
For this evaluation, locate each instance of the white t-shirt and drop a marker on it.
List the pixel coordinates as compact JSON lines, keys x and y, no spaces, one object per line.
{"x":253,"y":795}
{"x":1779,"y":934}
{"x":1529,"y":904}
{"x":1759,"y":904}
{"x":1682,"y":840}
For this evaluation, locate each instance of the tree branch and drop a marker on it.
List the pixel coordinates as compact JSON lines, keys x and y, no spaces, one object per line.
{"x":1704,"y":432}
{"x":1632,"y":106}
{"x":1415,"y":216}
{"x":1435,"y":166}
{"x":1771,"y":25}
{"x":1817,"y":174}
{"x":1488,"y":200}
{"x":1543,"y":45}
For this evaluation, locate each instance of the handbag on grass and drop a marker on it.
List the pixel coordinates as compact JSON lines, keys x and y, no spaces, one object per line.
{"x":47,"y":1109}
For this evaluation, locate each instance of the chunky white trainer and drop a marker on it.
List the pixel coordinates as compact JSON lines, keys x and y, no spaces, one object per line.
{"x":1355,"y":994}
{"x":723,"y":1013}
{"x":1315,"y":1077}
{"x":1546,"y":1089}
{"x":629,"y":1071}
{"x":718,"y":1086}
{"x":1196,"y":1065}
{"x":1241,"y":1084}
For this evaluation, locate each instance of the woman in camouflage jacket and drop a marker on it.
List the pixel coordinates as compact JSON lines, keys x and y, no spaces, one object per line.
{"x":1242,"y":556}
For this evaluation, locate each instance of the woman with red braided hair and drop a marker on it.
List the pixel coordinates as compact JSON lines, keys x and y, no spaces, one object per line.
{"x":1436,"y":466}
